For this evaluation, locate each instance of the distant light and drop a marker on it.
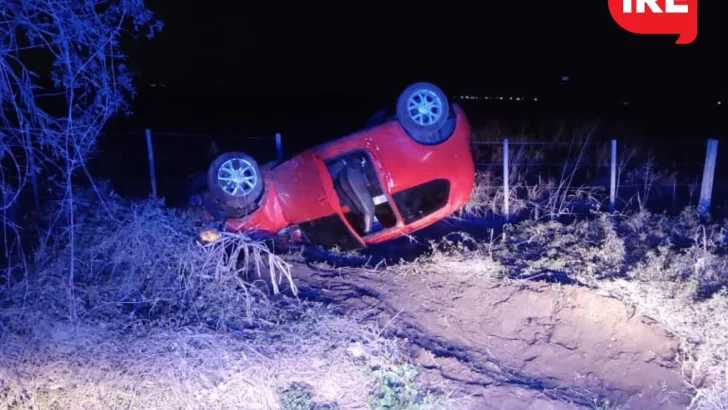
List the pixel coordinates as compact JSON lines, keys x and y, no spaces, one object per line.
{"x":564,"y":78}
{"x":518,"y":98}
{"x":152,"y":85}
{"x":535,"y":98}
{"x":720,"y":102}
{"x":500,"y":98}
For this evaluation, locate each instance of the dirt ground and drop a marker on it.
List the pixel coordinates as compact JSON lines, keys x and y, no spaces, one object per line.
{"x":513,"y":346}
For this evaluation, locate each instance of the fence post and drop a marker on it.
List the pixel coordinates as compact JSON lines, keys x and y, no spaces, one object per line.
{"x":613,"y":179}
{"x":279,"y":146}
{"x":506,"y":193}
{"x":706,"y":188}
{"x":150,"y":154}
{"x":674,"y":191}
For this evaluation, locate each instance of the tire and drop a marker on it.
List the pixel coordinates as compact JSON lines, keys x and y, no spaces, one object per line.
{"x":235,"y":199}
{"x":219,"y":210}
{"x":423,"y":110}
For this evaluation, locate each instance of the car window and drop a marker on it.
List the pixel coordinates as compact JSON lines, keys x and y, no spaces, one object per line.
{"x":422,"y":200}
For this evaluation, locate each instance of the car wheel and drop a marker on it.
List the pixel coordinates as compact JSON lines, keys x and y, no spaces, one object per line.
{"x":423,"y":110}
{"x":236,"y":183}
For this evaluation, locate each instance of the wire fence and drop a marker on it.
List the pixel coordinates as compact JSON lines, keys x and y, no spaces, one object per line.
{"x":682,"y":167}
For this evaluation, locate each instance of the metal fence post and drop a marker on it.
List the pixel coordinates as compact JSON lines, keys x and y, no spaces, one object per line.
{"x":613,"y":179}
{"x":150,"y":154}
{"x":706,"y":188}
{"x":506,"y":193}
{"x":279,"y":146}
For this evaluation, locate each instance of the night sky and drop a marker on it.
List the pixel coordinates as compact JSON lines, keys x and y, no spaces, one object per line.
{"x":271,"y":61}
{"x":467,"y":45}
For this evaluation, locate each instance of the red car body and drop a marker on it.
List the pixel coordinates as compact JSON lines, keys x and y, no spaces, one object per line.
{"x":301,"y":191}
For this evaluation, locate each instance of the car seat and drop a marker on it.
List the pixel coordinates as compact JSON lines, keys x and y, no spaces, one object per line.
{"x":353,"y":183}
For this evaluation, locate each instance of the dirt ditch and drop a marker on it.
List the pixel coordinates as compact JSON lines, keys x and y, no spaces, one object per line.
{"x":513,"y":346}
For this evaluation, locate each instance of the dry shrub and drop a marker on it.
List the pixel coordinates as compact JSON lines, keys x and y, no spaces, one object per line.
{"x":681,"y":281}
{"x":140,"y":260}
{"x":540,"y":198}
{"x":63,"y":75}
{"x":583,"y":251}
{"x":456,"y":254}
{"x":557,"y":168}
{"x":162,"y":322}
{"x":536,"y":187}
{"x":488,"y":195}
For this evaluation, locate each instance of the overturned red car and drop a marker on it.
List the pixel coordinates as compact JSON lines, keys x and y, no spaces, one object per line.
{"x":380,"y":183}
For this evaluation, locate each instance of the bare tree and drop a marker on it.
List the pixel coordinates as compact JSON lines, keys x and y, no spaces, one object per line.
{"x":62,"y":76}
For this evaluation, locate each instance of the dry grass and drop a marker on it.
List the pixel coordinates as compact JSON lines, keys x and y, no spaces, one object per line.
{"x":533,"y":189}
{"x":673,"y":270}
{"x":161,"y":322}
{"x":61,"y":366}
{"x":157,"y":321}
{"x":140,"y":259}
{"x":555,"y":169}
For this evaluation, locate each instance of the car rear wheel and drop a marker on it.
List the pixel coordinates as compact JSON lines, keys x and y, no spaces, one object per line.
{"x":236,"y":183}
{"x":423,"y":111}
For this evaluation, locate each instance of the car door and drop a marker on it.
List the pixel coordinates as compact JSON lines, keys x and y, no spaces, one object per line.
{"x":307,"y":198}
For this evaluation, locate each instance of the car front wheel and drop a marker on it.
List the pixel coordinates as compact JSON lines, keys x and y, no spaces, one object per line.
{"x":236,"y":183}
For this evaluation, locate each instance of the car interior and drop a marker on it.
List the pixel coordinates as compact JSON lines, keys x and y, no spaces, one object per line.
{"x":360,"y":192}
